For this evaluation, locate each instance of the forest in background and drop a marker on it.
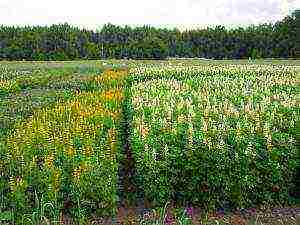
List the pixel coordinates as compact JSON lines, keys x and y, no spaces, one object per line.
{"x":66,"y":42}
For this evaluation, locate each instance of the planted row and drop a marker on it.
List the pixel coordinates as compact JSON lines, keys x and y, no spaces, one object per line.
{"x":219,"y":138}
{"x":67,"y":155}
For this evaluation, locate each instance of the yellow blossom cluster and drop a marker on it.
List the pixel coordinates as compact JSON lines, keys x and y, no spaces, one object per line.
{"x":78,"y":171}
{"x":113,"y":94}
{"x":111,"y":77}
{"x":3,"y":83}
{"x":15,"y":183}
{"x":65,"y":136}
{"x":7,"y":85}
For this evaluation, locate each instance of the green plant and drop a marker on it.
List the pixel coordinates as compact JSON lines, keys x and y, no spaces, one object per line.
{"x":45,"y":213}
{"x":219,"y":137}
{"x":66,"y":154}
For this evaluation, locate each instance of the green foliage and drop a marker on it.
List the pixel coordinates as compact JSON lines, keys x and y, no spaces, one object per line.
{"x":209,"y":135}
{"x":65,"y":154}
{"x":64,"y":42}
{"x":255,"y":54}
{"x":7,"y":87}
{"x":215,"y":136}
{"x":70,"y":165}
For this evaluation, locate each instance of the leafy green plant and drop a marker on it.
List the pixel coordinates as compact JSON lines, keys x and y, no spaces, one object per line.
{"x":66,"y":154}
{"x":45,"y":213}
{"x":219,"y":137}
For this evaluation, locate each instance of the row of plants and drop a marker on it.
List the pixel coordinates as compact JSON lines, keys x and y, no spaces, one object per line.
{"x":43,"y":79}
{"x":25,"y":87}
{"x":218,"y":137}
{"x":182,"y":71}
{"x":209,"y":136}
{"x":67,"y":155}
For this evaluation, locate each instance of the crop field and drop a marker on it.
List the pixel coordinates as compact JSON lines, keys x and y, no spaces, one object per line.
{"x":149,"y":142}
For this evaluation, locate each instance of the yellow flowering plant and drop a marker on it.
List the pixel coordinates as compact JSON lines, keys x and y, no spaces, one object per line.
{"x":72,"y":149}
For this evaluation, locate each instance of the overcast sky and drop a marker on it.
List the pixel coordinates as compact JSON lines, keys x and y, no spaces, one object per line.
{"x":184,"y":14}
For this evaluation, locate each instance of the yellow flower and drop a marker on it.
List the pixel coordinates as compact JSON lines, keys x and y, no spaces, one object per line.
{"x":143,"y":129}
{"x":205,"y":141}
{"x":16,"y":182}
{"x":3,"y":83}
{"x":88,"y":151}
{"x":181,"y":118}
{"x":55,"y":180}
{"x":266,"y":130}
{"x":76,"y":174}
{"x":109,"y":75}
{"x":190,"y":137}
{"x":206,"y":113}
{"x":79,"y":170}
{"x":49,"y":160}
{"x":269,"y":142}
{"x":12,"y":183}
{"x":70,"y":151}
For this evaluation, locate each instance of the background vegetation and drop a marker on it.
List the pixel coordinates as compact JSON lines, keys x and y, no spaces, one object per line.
{"x":64,"y":42}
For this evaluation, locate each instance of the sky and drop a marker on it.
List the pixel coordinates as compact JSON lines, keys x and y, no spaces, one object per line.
{"x":183,"y":14}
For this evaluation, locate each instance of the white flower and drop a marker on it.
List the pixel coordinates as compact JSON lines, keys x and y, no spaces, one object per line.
{"x":205,"y":126}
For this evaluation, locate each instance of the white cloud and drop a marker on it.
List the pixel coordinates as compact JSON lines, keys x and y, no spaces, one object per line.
{"x":179,"y":13}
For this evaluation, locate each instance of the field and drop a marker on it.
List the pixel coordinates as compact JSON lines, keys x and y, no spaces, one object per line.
{"x":149,"y":142}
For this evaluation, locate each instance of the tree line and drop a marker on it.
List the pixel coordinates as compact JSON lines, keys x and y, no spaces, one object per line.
{"x":65,"y":42}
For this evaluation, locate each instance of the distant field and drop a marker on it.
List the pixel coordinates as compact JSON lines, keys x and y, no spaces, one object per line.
{"x":295,"y":62}
{"x":185,"y":140}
